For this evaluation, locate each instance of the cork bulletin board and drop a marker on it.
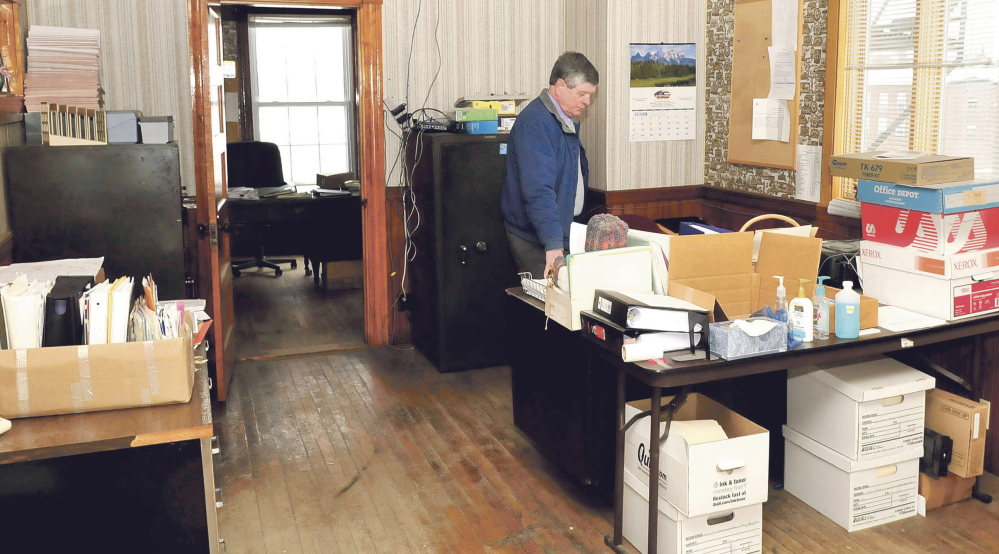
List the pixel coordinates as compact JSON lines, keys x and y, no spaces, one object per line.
{"x":751,"y":79}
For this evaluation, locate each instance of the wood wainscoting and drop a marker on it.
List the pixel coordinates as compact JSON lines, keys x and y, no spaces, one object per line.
{"x":725,"y":208}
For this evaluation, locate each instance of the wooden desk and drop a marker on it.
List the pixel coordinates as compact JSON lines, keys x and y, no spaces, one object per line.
{"x":135,"y":480}
{"x":323,"y":229}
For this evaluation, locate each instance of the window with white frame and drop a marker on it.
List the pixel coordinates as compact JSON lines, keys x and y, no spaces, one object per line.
{"x":940,"y":56}
{"x":302,"y":92}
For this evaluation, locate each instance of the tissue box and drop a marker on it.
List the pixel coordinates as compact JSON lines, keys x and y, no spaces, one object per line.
{"x":731,"y":343}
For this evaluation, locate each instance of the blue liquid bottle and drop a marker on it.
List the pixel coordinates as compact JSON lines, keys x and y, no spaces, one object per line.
{"x":847,"y":312}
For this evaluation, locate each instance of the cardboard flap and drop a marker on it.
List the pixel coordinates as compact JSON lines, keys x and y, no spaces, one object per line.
{"x":792,"y":256}
{"x":711,"y":255}
{"x":842,"y":462}
{"x":698,"y":297}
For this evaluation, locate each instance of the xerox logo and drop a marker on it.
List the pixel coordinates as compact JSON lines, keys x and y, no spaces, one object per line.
{"x":870,"y":254}
{"x":870,"y":229}
{"x":966,"y":264}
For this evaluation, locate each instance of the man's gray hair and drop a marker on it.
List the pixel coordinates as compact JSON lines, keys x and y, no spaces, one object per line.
{"x":574,"y":69}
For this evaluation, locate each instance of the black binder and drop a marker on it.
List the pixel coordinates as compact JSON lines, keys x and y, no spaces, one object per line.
{"x":63,"y":321}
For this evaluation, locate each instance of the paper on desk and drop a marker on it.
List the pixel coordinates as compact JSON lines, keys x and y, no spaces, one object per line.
{"x":698,"y":431}
{"x":49,"y":270}
{"x":898,"y":319}
{"x":577,"y":238}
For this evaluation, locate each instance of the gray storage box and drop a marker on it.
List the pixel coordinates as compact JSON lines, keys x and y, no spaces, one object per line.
{"x":731,"y":343}
{"x":156,"y":130}
{"x":123,"y":126}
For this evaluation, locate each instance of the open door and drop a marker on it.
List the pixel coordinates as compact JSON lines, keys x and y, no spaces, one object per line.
{"x":214,"y":264}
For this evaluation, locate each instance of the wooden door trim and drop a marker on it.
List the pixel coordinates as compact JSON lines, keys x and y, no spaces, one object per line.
{"x":371,"y":131}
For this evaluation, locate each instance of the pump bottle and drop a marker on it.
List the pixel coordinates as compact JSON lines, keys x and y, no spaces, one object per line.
{"x":781,"y":303}
{"x":847,"y":312}
{"x":820,"y":305}
{"x":800,"y":314}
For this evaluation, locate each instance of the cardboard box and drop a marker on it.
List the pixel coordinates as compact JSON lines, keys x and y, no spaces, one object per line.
{"x":945,"y":198}
{"x":862,"y":410}
{"x":719,"y":269}
{"x":705,"y":478}
{"x":940,"y":297}
{"x":623,"y":269}
{"x":965,"y":422}
{"x":854,"y":494}
{"x":927,"y":169}
{"x":343,"y":275}
{"x":945,"y":490}
{"x":740,"y":530}
{"x":951,"y":266}
{"x":74,"y":379}
{"x":932,"y":233}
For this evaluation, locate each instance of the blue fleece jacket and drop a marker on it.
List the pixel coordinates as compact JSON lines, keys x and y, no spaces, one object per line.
{"x":542,"y":171}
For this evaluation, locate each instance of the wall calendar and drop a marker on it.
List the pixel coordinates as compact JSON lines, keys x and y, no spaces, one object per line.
{"x":663,"y":92}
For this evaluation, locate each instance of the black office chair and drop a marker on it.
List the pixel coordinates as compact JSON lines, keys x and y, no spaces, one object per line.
{"x":256,"y":164}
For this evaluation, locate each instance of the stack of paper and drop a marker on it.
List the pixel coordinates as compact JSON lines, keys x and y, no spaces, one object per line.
{"x":24,"y":312}
{"x":243,"y":192}
{"x":62,"y":67}
{"x":119,"y":303}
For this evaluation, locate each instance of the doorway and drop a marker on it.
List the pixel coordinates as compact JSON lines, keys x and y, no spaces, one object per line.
{"x":293,"y":84}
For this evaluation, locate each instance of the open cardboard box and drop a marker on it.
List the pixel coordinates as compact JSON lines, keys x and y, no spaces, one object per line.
{"x":716,"y":271}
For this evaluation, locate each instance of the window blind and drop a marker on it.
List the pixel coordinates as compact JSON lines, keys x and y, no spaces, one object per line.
{"x":919,"y":75}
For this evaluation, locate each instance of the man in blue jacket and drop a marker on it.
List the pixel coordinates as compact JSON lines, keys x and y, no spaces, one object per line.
{"x":546,"y":169}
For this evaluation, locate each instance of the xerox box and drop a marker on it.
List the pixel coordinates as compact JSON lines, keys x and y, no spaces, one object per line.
{"x":925,"y":169}
{"x":933,"y":233}
{"x":946,"y":198}
{"x":951,"y":266}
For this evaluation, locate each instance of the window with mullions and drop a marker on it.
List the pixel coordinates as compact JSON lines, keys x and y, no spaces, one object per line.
{"x":302,"y":92}
{"x":938,"y":59}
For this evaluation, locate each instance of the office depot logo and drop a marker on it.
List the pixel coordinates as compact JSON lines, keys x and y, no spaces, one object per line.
{"x":870,"y":253}
{"x":870,"y":229}
{"x":885,"y":189}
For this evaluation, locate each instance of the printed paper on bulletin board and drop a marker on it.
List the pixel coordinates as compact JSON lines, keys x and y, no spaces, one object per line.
{"x":751,"y":80}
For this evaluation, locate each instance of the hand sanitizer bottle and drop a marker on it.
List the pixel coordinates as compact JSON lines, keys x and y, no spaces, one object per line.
{"x":800,"y":314}
{"x":820,"y":305}
{"x":847,"y":312}
{"x":781,"y":303}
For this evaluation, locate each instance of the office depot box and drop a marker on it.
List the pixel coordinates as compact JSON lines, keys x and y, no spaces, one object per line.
{"x":862,"y":410}
{"x":927,"y":169}
{"x":965,"y":264}
{"x":940,"y":297}
{"x":123,"y":126}
{"x":946,"y":490}
{"x":623,"y":269}
{"x":721,"y":267}
{"x":73,"y":379}
{"x":965,"y":422}
{"x":944,"y":198}
{"x":738,"y":531}
{"x":854,"y":494}
{"x":707,"y":477}
{"x":932,"y":233}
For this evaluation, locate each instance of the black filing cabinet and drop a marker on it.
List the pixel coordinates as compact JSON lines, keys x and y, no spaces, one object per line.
{"x":462,"y":262}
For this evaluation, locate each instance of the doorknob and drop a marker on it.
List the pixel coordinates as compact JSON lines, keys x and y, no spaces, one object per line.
{"x":481,"y":246}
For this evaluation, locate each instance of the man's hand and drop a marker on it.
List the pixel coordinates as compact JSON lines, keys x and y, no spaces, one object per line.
{"x":550,"y":256}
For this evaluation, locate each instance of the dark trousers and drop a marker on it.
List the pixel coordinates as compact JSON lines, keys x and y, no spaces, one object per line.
{"x":528,"y":256}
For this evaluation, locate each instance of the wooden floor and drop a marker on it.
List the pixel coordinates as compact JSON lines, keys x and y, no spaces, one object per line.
{"x":373,"y":450}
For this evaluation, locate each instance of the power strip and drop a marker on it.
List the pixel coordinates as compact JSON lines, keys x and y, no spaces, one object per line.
{"x":430,"y":126}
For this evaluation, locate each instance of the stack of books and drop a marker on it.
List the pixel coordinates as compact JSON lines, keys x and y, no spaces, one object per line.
{"x":62,"y":67}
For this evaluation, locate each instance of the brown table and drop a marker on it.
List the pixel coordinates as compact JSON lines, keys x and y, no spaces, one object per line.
{"x":134,"y":480}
